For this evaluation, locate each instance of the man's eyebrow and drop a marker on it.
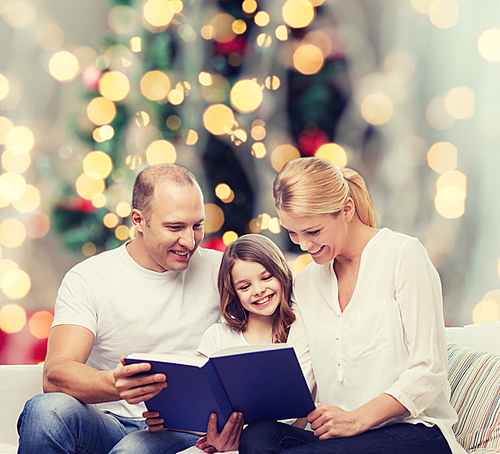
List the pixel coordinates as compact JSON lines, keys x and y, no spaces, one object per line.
{"x":181,"y":223}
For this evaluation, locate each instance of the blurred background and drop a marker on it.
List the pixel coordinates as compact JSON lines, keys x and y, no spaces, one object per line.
{"x":405,"y":92}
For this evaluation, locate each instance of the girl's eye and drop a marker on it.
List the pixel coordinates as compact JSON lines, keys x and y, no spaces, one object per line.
{"x":244,"y":287}
{"x":267,"y":278}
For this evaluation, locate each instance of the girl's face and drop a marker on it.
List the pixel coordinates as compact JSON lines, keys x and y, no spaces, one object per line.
{"x":258,"y":290}
{"x":323,"y":236}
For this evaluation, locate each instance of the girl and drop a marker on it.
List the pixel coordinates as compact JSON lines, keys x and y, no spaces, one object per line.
{"x":372,"y":309}
{"x":255,"y":287}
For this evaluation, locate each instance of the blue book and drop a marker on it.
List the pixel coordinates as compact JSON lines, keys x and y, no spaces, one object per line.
{"x":260,"y":381}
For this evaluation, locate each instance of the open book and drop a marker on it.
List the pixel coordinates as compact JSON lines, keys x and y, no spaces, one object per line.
{"x":260,"y":381}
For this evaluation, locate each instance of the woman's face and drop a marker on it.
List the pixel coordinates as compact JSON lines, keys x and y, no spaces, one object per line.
{"x":322,"y":236}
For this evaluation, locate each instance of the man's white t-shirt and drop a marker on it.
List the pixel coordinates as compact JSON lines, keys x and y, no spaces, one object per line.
{"x":389,"y":339}
{"x":130,"y":309}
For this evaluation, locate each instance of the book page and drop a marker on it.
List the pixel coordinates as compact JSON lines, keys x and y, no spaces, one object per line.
{"x":249,"y":349}
{"x":198,"y":361}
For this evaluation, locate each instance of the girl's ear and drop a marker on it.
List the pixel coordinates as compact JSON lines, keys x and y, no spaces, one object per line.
{"x":348,"y":209}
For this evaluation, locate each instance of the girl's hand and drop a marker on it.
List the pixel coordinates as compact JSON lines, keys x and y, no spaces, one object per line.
{"x":227,"y":440}
{"x":153,"y":420}
{"x":329,"y":421}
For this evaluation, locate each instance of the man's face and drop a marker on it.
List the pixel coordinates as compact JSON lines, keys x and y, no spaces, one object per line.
{"x":175,"y":227}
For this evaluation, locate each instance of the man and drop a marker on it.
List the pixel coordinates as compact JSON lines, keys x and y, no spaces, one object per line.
{"x":155,"y":294}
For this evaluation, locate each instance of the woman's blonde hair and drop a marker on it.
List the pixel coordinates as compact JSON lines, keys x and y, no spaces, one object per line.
{"x":259,"y":249}
{"x":314,"y":186}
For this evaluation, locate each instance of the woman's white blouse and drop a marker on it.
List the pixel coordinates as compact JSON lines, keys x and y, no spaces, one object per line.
{"x":389,"y":339}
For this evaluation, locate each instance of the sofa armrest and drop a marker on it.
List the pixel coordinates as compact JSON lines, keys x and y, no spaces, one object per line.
{"x":18,"y":384}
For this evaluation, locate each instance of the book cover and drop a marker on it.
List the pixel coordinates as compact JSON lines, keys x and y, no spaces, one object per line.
{"x":262,"y":382}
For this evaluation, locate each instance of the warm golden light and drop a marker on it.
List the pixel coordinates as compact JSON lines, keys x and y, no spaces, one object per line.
{"x":239,"y":26}
{"x":122,"y":232}
{"x":377,"y":109}
{"x":219,"y":119}
{"x":155,"y":85}
{"x":281,"y":33}
{"x":6,"y":265}
{"x":29,"y":201}
{"x":442,"y":157}
{"x":207,"y":32}
{"x":308,"y":59}
{"x":400,"y":64}
{"x":4,"y":86}
{"x":121,"y":19}
{"x":258,"y":132}
{"x":12,"y":318}
{"x":37,"y":226}
{"x":110,"y":220}
{"x":89,"y":249}
{"x":229,"y":237}
{"x":97,"y":165}
{"x":161,"y":151}
{"x":222,"y":191}
{"x":298,"y":13}
{"x":40,"y":323}
{"x":158,"y":13}
{"x":488,"y":309}
{"x":63,"y":66}
{"x":262,"y":19}
{"x":274,"y":225}
{"x":114,"y":85}
{"x":282,"y":154}
{"x":300,"y":263}
{"x":87,"y":187}
{"x":454,"y":179}
{"x":444,"y":13}
{"x":249,"y":6}
{"x":16,"y":284}
{"x":451,"y":194}
{"x":192,"y":137}
{"x":334,"y":153}
{"x":222,"y":24}
{"x":176,"y":96}
{"x":20,"y":136}
{"x":259,"y":150}
{"x":136,"y":44}
{"x":272,"y":82}
{"x":16,"y":160}
{"x":12,"y":233}
{"x":264,"y":40}
{"x":437,"y":116}
{"x":460,"y":103}
{"x":246,"y":96}
{"x":5,"y":126}
{"x":421,"y":6}
{"x":488,"y":45}
{"x":214,"y":218}
{"x":12,"y":186}
{"x":101,"y":111}
{"x":123,"y":209}
{"x":99,"y":200}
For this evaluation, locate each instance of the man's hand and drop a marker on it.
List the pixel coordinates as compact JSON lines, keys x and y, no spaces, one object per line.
{"x":153,"y":420}
{"x":135,"y":389}
{"x":227,"y":440}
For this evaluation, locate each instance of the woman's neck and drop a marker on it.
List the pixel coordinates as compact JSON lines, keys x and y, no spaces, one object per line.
{"x":358,"y":236}
{"x":259,"y":329}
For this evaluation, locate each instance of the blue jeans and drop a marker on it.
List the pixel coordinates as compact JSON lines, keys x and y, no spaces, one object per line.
{"x":269,"y":437}
{"x":57,"y":423}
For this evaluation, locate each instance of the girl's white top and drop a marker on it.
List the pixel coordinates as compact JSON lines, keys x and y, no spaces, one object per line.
{"x":389,"y":339}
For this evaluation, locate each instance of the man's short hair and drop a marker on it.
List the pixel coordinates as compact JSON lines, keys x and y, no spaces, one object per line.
{"x":149,"y":178}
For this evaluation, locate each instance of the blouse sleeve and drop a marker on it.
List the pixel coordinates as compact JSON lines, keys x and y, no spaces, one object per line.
{"x":418,"y":294}
{"x":210,"y":341}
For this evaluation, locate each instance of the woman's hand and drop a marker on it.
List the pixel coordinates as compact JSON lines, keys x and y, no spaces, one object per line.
{"x":330,"y":421}
{"x":153,"y":420}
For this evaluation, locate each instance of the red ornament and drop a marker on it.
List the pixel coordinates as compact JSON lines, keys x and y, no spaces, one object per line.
{"x":310,"y":140}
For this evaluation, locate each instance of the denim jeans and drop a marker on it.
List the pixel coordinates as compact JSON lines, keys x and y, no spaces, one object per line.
{"x":266,"y":437}
{"x":57,"y":423}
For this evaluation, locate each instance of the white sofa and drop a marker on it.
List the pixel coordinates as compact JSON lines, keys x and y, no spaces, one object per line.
{"x":474,"y":376}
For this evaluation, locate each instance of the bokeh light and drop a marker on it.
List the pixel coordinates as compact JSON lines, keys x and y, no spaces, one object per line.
{"x":158,"y":13}
{"x":155,"y":85}
{"x":16,"y":159}
{"x":5,"y":126}
{"x":12,"y":318}
{"x":308,"y":59}
{"x":114,"y":85}
{"x":460,"y":102}
{"x":214,"y":218}
{"x":246,"y":96}
{"x":229,"y":237}
{"x":64,"y":66}
{"x":87,"y":187}
{"x":21,"y":14}
{"x":219,"y":119}
{"x":300,"y":263}
{"x":121,"y":19}
{"x":20,"y":136}
{"x":12,"y":233}
{"x":259,"y":150}
{"x":29,"y":201}
{"x":50,"y":36}
{"x":122,"y":232}
{"x":262,"y":19}
{"x":101,"y":111}
{"x":451,"y":194}
{"x":6,"y":265}
{"x":443,"y":13}
{"x":161,"y":151}
{"x":274,"y":225}
{"x":110,"y":220}
{"x":249,"y":6}
{"x":97,"y":165}
{"x":488,"y":45}
{"x":192,"y":137}
{"x":488,"y":309}
{"x":4,"y":86}
{"x":442,"y":157}
{"x":282,"y":154}
{"x":377,"y":109}
{"x":334,"y":153}
{"x":16,"y":284}
{"x":40,"y":323}
{"x":222,"y":27}
{"x":298,"y":13}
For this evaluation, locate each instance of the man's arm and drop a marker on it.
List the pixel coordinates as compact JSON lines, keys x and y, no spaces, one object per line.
{"x":65,"y":371}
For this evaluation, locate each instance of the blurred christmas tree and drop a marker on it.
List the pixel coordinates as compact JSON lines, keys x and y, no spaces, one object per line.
{"x":230,"y":89}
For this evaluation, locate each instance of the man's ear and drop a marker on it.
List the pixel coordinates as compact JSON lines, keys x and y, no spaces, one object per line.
{"x":138,"y":220}
{"x":349,"y":210}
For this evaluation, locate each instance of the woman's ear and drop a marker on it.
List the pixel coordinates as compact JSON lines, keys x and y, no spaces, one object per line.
{"x":348,"y":209}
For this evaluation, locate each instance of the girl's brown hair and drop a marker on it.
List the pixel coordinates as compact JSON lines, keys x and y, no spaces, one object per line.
{"x":314,"y":186}
{"x":259,"y":249}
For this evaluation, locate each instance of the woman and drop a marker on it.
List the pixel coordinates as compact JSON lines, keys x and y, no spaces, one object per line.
{"x":372,"y":310}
